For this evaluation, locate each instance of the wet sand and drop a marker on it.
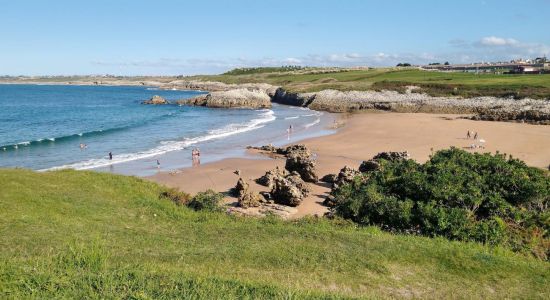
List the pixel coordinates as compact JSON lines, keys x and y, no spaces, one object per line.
{"x":363,"y":136}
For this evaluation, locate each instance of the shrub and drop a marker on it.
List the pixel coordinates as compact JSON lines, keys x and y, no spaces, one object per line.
{"x":458,"y":195}
{"x":180,"y":198}
{"x":208,"y":200}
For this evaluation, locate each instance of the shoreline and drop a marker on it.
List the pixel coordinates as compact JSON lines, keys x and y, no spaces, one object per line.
{"x":363,"y":136}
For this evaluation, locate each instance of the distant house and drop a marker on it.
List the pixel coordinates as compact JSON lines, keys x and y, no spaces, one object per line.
{"x":526,"y":70}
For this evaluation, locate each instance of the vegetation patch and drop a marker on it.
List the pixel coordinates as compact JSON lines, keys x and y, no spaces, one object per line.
{"x":80,"y":235}
{"x":458,"y":195}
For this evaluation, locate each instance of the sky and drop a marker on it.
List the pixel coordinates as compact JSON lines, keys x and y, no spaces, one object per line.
{"x":166,"y":37}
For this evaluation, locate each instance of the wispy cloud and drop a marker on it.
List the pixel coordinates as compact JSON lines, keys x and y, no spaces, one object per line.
{"x":490,"y":48}
{"x":492,"y":41}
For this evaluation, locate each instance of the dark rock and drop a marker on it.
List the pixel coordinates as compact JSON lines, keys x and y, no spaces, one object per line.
{"x":304,"y":165}
{"x":391,"y":156}
{"x":329,"y":178}
{"x":267,"y":196}
{"x":240,"y":188}
{"x":329,"y":201}
{"x":369,"y":166}
{"x":155,"y":100}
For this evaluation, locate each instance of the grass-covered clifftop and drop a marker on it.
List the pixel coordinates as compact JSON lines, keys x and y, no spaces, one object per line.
{"x":72,"y":234}
{"x":430,"y":82}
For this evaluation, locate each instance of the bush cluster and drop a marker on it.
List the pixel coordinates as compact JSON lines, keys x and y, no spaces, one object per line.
{"x":462,"y":196}
{"x":208,"y":200}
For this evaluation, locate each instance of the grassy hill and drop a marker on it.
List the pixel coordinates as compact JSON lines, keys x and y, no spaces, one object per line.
{"x":431,"y":82}
{"x":73,"y":234}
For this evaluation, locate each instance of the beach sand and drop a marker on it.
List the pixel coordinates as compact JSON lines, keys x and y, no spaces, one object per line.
{"x":363,"y":136}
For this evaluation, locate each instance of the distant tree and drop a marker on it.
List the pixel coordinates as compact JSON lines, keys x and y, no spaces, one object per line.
{"x":446,"y":63}
{"x":403,"y":64}
{"x":434,"y":64}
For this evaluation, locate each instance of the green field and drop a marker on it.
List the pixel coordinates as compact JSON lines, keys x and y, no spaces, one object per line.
{"x":431,"y":82}
{"x":73,"y":234}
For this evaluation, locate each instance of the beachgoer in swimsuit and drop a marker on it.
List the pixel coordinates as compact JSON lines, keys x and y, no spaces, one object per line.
{"x":110,"y":156}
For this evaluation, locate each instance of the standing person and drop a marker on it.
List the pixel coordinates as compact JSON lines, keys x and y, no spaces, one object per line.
{"x":475,"y":136}
{"x":110,"y":155}
{"x":158,"y":164}
{"x":468,"y":135}
{"x":290,"y":128}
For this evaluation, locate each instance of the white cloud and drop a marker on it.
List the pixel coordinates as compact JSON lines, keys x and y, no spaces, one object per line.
{"x":497,"y":41}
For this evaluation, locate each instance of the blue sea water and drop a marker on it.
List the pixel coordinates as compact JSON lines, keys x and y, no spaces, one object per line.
{"x":42,"y":127}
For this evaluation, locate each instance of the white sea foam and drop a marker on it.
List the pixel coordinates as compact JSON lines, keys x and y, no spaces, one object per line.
{"x":264,"y":117}
{"x":317,"y":121}
{"x":290,"y":118}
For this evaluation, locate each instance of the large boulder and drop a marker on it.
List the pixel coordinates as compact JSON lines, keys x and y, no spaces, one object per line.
{"x":234,"y":98}
{"x":297,"y":149}
{"x":286,"y":192}
{"x":369,"y":166}
{"x":345,"y":175}
{"x":269,"y":178}
{"x":329,"y":178}
{"x":240,"y":188}
{"x":249,"y":199}
{"x":156,"y":100}
{"x":391,"y":156}
{"x":296,"y":179}
{"x":303,"y":164}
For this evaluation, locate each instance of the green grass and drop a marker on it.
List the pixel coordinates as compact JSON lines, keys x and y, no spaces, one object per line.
{"x":72,"y":234}
{"x":435,"y":83}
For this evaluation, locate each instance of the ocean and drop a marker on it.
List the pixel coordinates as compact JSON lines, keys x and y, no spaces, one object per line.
{"x":43,"y":126}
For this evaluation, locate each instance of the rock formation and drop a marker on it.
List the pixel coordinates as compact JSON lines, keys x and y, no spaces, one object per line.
{"x":155,"y":100}
{"x":237,"y":98}
{"x":268,"y":179}
{"x":240,"y":188}
{"x":303,"y":164}
{"x":249,"y":199}
{"x":286,"y":192}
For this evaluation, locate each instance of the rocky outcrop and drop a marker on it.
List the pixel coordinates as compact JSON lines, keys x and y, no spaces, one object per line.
{"x":369,"y":166}
{"x":285,"y":191}
{"x":484,"y":108}
{"x":345,"y":175}
{"x":302,"y":164}
{"x":240,"y":188}
{"x":529,"y":116}
{"x":329,"y":178}
{"x":156,"y":100}
{"x":391,"y":156}
{"x":238,"y":98}
{"x":268,"y":179}
{"x":249,"y":199}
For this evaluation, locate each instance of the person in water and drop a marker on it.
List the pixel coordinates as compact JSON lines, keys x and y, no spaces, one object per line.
{"x":110,"y":156}
{"x":158,"y":164}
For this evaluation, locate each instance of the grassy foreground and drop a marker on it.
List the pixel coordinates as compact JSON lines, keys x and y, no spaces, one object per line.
{"x":72,"y":234}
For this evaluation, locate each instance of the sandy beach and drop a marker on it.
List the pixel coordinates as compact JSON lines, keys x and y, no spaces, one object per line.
{"x":364,"y":135}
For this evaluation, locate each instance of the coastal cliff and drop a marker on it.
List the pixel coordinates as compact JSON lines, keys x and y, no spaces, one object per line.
{"x":485,"y":108}
{"x":235,"y":98}
{"x":261,"y":95}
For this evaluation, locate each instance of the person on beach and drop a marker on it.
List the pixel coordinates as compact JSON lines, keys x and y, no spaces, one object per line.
{"x":158,"y":164}
{"x":110,"y":155}
{"x":475,"y":136}
{"x":290,"y":128}
{"x":468,"y":135}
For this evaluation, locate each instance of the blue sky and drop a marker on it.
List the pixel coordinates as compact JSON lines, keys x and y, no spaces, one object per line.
{"x":191,"y":37}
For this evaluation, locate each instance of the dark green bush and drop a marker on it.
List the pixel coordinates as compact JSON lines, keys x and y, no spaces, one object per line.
{"x":481,"y":197}
{"x":208,"y":200}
